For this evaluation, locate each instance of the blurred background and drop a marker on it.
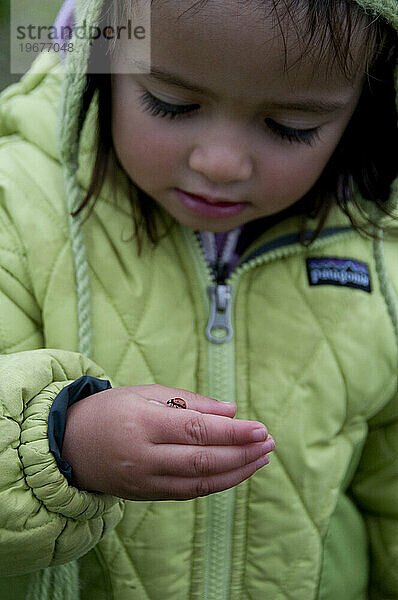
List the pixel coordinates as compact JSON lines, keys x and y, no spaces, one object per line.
{"x":51,"y":8}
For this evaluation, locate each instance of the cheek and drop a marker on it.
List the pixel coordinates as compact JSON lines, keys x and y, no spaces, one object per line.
{"x":144,"y":146}
{"x":291,"y":174}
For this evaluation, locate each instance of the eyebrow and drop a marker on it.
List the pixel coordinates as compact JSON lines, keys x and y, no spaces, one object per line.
{"x":314,"y":106}
{"x":319,"y":106}
{"x":162,"y":75}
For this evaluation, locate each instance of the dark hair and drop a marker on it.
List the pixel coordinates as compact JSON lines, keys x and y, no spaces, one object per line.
{"x":366,"y":154}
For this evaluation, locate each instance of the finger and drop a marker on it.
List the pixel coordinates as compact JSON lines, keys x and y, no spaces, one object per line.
{"x":197,"y":461}
{"x":190,"y":427}
{"x":187,"y":488}
{"x":192,"y":400}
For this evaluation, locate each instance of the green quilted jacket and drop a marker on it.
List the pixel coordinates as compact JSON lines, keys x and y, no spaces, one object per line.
{"x":316,"y":363}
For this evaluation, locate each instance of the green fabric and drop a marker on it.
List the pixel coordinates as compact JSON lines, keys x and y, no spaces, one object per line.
{"x":318,"y":365}
{"x":345,"y":543}
{"x":59,"y":583}
{"x":386,"y":8}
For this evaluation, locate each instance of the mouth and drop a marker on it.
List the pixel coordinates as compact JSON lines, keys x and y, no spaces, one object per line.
{"x":210,"y":206}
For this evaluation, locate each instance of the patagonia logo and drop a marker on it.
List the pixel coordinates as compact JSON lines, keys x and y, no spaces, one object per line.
{"x":338,"y":271}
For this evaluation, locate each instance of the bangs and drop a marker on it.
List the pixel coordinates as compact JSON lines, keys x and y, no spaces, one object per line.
{"x":336,"y":33}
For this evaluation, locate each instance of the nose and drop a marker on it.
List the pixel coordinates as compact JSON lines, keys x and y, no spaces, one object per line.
{"x":221,"y":159}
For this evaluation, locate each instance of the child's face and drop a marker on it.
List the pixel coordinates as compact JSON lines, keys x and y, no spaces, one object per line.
{"x":251,"y":132}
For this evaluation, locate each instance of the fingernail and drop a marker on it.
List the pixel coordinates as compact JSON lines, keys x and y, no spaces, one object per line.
{"x":264,"y":460}
{"x":269,"y":445}
{"x":259,"y":435}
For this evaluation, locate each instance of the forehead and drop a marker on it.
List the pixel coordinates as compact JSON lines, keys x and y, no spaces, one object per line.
{"x":242,"y":44}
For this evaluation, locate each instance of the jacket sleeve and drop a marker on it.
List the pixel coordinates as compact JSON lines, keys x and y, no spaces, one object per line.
{"x":38,"y":509}
{"x":375,"y":490}
{"x":43,"y":520}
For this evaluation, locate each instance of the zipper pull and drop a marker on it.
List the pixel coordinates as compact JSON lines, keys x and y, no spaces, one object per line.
{"x":220,"y":313}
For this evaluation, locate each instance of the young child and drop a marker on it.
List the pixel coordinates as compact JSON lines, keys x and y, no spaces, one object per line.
{"x":190,"y":235}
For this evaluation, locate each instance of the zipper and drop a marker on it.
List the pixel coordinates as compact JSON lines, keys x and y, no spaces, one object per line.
{"x":220,"y":313}
{"x":219,"y":327}
{"x":221,"y":292}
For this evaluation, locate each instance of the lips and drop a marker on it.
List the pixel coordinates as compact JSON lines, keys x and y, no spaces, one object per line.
{"x":212,"y":207}
{"x":213,"y":201}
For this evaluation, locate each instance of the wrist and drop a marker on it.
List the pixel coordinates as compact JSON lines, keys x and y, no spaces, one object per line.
{"x":76,"y":447}
{"x":60,"y":414}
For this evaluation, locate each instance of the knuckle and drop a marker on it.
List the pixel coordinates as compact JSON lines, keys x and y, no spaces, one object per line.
{"x":232,"y":435}
{"x":202,"y":463}
{"x":202,"y":488}
{"x":195,"y":430}
{"x":247,"y":455}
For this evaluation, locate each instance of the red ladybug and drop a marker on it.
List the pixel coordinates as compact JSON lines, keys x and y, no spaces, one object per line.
{"x":177,"y":403}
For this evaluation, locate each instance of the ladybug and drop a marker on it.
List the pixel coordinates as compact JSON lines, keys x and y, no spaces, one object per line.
{"x":177,"y":403}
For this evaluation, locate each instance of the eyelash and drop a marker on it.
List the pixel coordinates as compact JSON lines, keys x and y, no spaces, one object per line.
{"x":158,"y":108}
{"x":291,"y":135}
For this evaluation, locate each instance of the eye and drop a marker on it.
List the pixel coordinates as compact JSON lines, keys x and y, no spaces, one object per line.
{"x":159,"y":108}
{"x":292,"y":135}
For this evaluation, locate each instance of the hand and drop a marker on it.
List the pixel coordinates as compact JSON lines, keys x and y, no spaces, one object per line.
{"x":129,"y":443}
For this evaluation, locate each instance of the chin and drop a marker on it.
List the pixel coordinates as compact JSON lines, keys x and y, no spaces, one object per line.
{"x":211,"y":226}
